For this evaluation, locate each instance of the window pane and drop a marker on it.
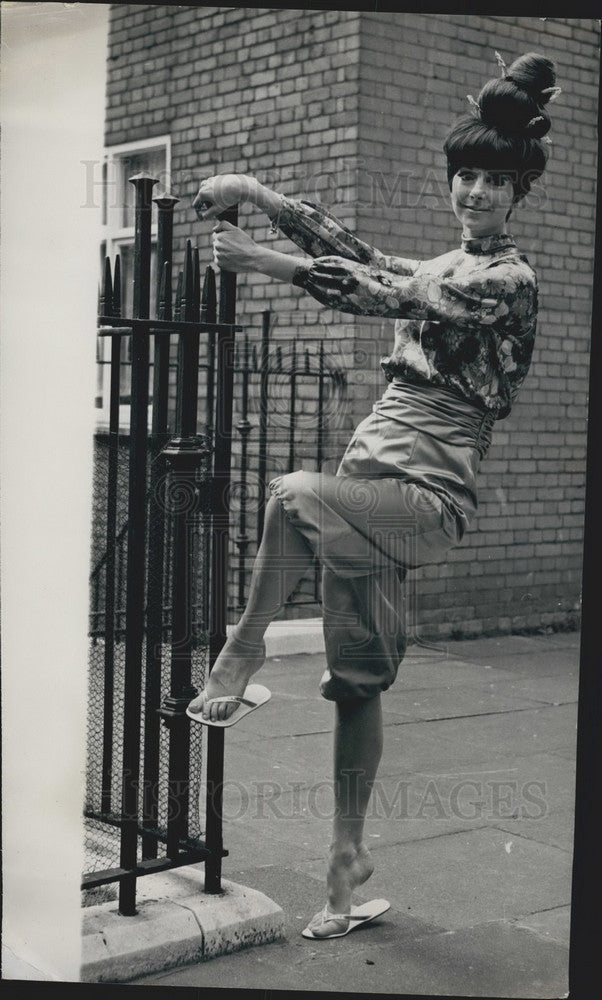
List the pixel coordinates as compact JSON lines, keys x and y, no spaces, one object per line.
{"x":152,"y":161}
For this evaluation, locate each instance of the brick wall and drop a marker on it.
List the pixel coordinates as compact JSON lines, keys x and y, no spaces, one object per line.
{"x":351,"y":109}
{"x":520,"y":563}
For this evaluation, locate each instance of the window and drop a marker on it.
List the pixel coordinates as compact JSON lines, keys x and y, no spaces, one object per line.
{"x":122,"y":162}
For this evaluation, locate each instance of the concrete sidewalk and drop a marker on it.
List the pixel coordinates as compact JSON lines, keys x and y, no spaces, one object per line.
{"x":471,"y":826}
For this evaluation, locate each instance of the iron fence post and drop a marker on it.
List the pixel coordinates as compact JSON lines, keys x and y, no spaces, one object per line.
{"x":208,"y":314}
{"x":263,"y":417}
{"x":136,"y":546}
{"x":185,"y":457}
{"x":111,"y":306}
{"x":292,"y":408}
{"x":219,"y":562}
{"x":320,"y":448}
{"x":156,"y":528}
{"x":243,"y":427}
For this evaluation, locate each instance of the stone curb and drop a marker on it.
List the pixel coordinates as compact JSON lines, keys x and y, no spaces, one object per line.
{"x":176,"y":924}
{"x":288,"y":638}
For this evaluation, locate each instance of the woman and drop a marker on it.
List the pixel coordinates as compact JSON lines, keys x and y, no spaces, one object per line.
{"x":405,"y":490}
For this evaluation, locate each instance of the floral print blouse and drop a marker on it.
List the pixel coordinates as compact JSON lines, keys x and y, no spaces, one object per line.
{"x":465,"y":320}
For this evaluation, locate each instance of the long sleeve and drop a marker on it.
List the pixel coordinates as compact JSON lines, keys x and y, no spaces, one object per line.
{"x":463,"y":320}
{"x":316,"y":231}
{"x":501,"y":296}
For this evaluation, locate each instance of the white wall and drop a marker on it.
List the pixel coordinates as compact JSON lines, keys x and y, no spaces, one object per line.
{"x":53,"y":78}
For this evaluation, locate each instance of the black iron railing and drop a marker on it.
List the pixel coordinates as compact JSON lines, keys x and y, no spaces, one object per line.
{"x":268,"y":378}
{"x":169,"y":555}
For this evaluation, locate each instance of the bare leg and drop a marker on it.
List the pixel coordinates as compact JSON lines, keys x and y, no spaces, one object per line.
{"x":357,"y":751}
{"x":282,"y":559}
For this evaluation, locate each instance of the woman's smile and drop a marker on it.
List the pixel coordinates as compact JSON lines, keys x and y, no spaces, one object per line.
{"x":481,"y":200}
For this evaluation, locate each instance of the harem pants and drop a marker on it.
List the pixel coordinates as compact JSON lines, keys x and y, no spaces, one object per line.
{"x":402,"y":497}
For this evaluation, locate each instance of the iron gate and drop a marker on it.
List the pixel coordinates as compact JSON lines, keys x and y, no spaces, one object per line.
{"x":143,"y":789}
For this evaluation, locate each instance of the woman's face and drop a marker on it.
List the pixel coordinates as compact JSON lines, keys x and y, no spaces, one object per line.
{"x":481,"y":200}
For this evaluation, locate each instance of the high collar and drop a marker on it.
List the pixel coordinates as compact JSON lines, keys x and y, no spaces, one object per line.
{"x":487,"y":244}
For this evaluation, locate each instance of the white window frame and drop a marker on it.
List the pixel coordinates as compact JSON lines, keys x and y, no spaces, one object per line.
{"x":114,"y":236}
{"x":116,"y":233}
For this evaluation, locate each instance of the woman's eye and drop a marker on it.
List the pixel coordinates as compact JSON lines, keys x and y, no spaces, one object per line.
{"x":498,"y":180}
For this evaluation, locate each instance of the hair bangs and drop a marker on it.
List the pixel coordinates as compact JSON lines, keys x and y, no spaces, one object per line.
{"x":473,"y":143}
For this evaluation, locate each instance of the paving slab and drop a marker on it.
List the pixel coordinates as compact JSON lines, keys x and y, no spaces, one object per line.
{"x":528,"y":796}
{"x":528,"y":730}
{"x":547,"y":663}
{"x":301,"y":895}
{"x":557,"y":828}
{"x":472,"y":740}
{"x":494,"y":959}
{"x":483,"y":648}
{"x":397,"y":952}
{"x":307,"y":823}
{"x":551,"y":690}
{"x":457,"y":675}
{"x":299,"y":676}
{"x":296,"y":675}
{"x":555,"y":772}
{"x":284,"y":715}
{"x":304,"y":757}
{"x":480,"y":900}
{"x":295,"y":962}
{"x":457,"y":701}
{"x":460,"y":879}
{"x":269,"y":845}
{"x":402,"y":809}
{"x":436,"y":672}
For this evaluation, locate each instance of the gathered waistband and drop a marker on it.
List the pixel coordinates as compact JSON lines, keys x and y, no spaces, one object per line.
{"x":439,"y":411}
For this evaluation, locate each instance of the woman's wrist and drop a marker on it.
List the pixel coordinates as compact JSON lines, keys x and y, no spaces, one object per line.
{"x":277,"y":265}
{"x":266,"y":200}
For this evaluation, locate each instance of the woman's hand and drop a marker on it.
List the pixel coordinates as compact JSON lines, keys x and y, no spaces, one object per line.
{"x":222,"y":191}
{"x":233,"y":249}
{"x":335,"y":273}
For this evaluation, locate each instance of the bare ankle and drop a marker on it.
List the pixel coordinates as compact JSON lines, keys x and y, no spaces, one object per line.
{"x":251,"y":634}
{"x":345,"y":850}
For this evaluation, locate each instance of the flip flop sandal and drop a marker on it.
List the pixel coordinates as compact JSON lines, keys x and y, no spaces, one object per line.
{"x":254,"y":697}
{"x":359,"y":915}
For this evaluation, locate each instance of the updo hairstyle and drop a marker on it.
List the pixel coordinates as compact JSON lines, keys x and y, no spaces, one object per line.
{"x":504,"y":131}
